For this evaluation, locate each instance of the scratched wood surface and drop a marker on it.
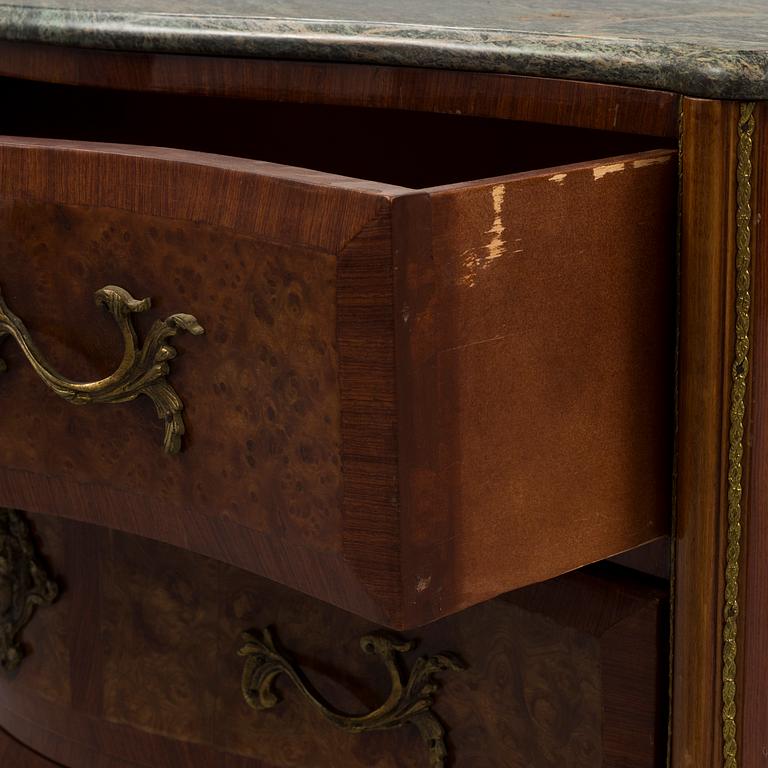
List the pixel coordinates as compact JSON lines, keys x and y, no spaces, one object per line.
{"x":535,"y":315}
{"x":268,"y":435}
{"x":150,"y":634}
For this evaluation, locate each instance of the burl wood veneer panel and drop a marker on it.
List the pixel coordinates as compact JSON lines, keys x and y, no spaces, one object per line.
{"x":261,"y":396}
{"x":545,"y":666}
{"x":287,"y":271}
{"x":535,"y":316}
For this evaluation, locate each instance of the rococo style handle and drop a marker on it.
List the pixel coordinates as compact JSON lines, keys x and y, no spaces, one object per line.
{"x":408,"y":701}
{"x":142,"y":371}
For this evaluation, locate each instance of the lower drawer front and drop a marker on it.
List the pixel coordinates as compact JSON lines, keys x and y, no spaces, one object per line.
{"x":137,"y":665}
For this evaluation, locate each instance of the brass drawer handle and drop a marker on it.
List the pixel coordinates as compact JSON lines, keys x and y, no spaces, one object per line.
{"x":409,"y":701}
{"x":142,"y":371}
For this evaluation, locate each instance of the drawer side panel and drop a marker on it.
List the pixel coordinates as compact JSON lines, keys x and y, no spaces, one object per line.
{"x":539,"y":339}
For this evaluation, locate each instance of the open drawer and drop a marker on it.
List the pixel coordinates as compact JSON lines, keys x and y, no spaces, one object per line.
{"x":406,"y":400}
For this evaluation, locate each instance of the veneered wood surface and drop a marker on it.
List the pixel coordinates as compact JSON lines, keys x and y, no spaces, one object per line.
{"x":707,"y":312}
{"x":612,"y":604}
{"x":163,"y":625}
{"x":545,"y":100}
{"x":371,"y":535}
{"x":233,"y":243}
{"x":16,"y":755}
{"x":535,"y":316}
{"x":372,"y":443}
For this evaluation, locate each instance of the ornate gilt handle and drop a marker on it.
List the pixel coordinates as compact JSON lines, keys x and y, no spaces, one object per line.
{"x":142,"y":371}
{"x":409,"y":701}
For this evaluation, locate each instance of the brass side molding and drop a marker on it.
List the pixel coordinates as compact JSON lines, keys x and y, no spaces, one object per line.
{"x":24,"y":585}
{"x":738,"y":399}
{"x":409,"y":701}
{"x":142,"y":371}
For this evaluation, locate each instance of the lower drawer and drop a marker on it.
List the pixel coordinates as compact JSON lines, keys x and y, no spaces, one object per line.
{"x":137,"y":665}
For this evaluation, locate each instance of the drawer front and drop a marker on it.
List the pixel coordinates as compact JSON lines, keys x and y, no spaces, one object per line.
{"x":138,"y":662}
{"x":289,"y":273}
{"x":404,"y":402}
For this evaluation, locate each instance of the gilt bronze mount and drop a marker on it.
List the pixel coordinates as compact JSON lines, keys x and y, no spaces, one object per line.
{"x":24,"y":585}
{"x":142,"y":371}
{"x":409,"y":701}
{"x":738,"y":398}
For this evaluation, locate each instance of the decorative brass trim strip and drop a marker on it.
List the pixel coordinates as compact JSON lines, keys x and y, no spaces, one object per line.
{"x":408,"y":701}
{"x":24,"y":585}
{"x":739,"y":373}
{"x":142,"y":371}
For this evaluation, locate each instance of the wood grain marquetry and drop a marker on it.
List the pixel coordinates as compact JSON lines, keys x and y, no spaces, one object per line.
{"x":611,"y":604}
{"x":438,"y":366}
{"x":269,"y":434}
{"x":548,"y":680}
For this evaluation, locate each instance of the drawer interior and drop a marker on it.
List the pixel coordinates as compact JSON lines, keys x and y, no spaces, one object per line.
{"x":406,"y":148}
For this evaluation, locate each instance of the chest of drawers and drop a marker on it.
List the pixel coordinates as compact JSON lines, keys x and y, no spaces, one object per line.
{"x":408,"y":341}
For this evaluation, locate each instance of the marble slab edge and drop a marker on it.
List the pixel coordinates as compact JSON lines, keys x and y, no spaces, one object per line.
{"x":691,"y":69}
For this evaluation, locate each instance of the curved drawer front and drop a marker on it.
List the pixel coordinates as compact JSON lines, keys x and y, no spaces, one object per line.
{"x":405,"y":401}
{"x":137,"y":665}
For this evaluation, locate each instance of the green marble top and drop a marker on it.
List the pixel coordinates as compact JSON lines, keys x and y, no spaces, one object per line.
{"x":698,"y":47}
